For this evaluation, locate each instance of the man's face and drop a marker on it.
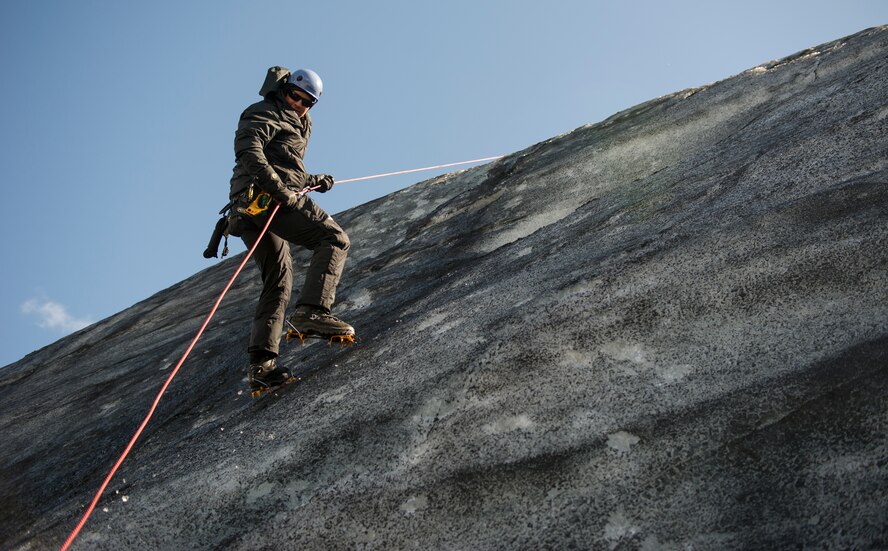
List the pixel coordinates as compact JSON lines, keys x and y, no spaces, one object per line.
{"x":298,"y":106}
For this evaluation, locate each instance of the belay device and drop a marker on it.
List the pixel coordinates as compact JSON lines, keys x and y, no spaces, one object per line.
{"x":257,"y":205}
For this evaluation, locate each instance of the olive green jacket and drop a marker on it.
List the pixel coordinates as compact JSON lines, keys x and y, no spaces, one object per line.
{"x":269,"y":146}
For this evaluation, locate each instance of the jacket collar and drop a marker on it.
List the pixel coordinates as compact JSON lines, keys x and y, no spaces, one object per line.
{"x":288,"y":112}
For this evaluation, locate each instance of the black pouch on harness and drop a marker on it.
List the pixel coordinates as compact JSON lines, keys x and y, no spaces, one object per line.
{"x":235,"y":224}
{"x":212,"y":250}
{"x":221,"y":230}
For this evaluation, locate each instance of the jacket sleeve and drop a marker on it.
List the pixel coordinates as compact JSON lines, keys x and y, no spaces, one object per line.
{"x":254,"y":131}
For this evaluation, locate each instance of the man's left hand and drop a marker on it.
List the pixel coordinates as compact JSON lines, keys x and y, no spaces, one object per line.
{"x":324,"y":183}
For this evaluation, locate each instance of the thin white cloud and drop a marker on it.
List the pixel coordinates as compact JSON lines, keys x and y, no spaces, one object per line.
{"x":52,"y":315}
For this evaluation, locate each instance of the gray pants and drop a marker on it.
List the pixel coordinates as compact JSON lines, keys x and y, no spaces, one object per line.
{"x":309,"y":226}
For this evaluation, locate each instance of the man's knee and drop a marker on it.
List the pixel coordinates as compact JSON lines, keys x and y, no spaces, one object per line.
{"x":275,"y":265}
{"x":342,"y":240}
{"x":336,"y":236}
{"x":283,"y":279}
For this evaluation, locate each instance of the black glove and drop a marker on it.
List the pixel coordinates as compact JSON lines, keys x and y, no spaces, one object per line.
{"x":324,"y":183}
{"x":287,"y":198}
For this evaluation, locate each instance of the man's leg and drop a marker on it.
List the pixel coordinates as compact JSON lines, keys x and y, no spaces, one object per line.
{"x":273,"y":258}
{"x":309,"y":226}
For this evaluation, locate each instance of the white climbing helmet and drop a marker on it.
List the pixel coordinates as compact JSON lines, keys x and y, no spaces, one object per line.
{"x":308,"y":81}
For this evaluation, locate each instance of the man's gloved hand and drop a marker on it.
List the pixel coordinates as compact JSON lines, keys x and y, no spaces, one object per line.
{"x":287,"y":198}
{"x":324,"y":183}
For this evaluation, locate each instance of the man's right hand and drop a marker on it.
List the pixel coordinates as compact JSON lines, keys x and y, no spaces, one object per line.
{"x":287,"y":198}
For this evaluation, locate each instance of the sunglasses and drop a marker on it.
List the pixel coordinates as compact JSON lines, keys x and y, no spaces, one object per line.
{"x":306,"y":102}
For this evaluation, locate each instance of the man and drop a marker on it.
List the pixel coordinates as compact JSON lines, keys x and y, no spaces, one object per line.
{"x":269,"y":146}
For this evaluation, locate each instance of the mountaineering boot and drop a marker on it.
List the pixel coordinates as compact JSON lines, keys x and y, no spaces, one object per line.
{"x":266,"y":376}
{"x":313,"y":321}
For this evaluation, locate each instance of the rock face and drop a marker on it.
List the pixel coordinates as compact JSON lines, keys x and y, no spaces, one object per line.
{"x":667,"y":330}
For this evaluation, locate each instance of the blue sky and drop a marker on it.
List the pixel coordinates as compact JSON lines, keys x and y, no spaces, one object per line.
{"x":119,"y":116}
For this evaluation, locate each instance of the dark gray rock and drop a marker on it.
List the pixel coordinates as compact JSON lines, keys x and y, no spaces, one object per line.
{"x":666,"y":330}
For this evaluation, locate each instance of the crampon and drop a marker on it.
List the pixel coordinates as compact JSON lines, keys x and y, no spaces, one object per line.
{"x":257,"y":387}
{"x":343,"y":340}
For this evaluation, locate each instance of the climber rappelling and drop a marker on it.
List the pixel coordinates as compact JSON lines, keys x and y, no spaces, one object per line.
{"x":269,"y":146}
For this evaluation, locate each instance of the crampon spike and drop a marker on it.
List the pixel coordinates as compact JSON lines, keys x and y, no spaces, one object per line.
{"x":257,"y":392}
{"x":294,"y":334}
{"x":343,"y":340}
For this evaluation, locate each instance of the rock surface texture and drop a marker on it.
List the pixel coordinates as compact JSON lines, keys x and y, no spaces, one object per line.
{"x":667,"y":330}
